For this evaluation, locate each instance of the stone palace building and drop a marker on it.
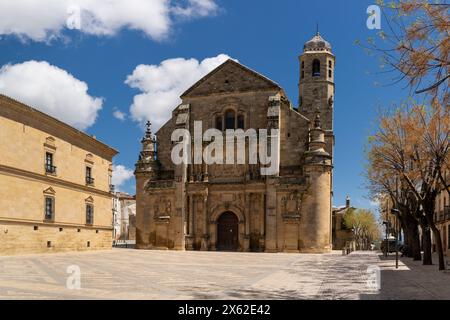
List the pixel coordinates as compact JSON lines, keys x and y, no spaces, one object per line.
{"x":233,"y":207}
{"x":54,"y":184}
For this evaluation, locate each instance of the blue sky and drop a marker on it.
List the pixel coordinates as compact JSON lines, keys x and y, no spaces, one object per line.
{"x":265,"y":35}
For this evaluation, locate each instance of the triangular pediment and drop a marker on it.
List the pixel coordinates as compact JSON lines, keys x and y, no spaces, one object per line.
{"x":231,"y":76}
{"x":49,"y":191}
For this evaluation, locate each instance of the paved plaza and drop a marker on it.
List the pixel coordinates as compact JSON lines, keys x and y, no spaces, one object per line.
{"x":133,"y":274}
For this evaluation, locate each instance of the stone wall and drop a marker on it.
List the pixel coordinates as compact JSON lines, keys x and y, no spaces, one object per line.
{"x":30,"y":238}
{"x":27,"y":135}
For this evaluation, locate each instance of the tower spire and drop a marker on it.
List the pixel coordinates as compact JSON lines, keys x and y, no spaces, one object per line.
{"x":148,"y":132}
{"x":147,"y":157}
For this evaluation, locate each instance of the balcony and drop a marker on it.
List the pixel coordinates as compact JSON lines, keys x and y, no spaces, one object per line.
{"x":89,"y":181}
{"x":51,"y":169}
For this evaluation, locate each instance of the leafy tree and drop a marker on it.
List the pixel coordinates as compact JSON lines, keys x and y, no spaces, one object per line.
{"x":412,"y":146}
{"x":364,"y":226}
{"x":416,"y":43}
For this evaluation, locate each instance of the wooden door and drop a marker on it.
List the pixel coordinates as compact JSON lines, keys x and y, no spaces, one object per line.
{"x":227,"y":232}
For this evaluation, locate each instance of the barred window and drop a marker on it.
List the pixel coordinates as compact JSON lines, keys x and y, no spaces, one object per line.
{"x":89,"y":214}
{"x":49,"y":208}
{"x":89,"y":178}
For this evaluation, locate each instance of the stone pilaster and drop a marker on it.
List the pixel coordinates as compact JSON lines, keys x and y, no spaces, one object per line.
{"x":182,"y":114}
{"x":315,"y":224}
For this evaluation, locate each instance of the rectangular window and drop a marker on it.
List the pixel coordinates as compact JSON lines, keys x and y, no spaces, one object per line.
{"x":89,"y":214}
{"x":49,"y":167}
{"x":230,"y":119}
{"x":89,"y":179}
{"x":49,"y":158}
{"x":49,"y":208}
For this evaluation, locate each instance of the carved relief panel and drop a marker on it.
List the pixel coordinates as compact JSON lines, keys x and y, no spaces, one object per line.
{"x":290,"y":207}
{"x":162,"y":208}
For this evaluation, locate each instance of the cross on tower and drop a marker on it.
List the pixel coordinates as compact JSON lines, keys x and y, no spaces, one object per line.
{"x":148,"y":133}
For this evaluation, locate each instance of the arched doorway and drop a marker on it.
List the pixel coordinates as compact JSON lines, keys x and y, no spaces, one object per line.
{"x":228,"y":232}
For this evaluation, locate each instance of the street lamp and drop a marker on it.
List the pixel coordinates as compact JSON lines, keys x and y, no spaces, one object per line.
{"x":395,"y":212}
{"x":386,"y":223}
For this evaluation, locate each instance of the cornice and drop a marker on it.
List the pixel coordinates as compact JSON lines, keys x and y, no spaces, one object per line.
{"x":39,"y":120}
{"x":53,"y":224}
{"x":52,"y":180}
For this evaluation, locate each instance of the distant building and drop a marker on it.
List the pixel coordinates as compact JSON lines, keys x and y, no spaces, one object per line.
{"x":54,"y":184}
{"x":117,"y":214}
{"x":342,"y":235}
{"x":124,"y":216}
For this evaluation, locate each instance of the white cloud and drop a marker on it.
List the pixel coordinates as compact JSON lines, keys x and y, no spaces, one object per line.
{"x":161,"y":86}
{"x":121,"y":175}
{"x":119,"y":115}
{"x":197,"y":8}
{"x":51,"y":90}
{"x":45,"y":20}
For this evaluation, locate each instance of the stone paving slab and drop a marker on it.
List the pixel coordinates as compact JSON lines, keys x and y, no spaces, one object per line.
{"x":140,"y":274}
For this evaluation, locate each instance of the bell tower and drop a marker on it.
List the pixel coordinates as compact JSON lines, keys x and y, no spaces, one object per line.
{"x":316,"y":85}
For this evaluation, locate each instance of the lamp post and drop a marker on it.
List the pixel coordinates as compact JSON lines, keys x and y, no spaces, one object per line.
{"x":386,"y":243}
{"x":395,"y":212}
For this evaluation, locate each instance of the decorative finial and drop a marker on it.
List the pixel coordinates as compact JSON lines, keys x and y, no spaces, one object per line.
{"x":148,"y":132}
{"x":317,"y":29}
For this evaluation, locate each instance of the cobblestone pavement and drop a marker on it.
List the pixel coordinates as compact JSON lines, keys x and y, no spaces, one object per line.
{"x":132,"y":274}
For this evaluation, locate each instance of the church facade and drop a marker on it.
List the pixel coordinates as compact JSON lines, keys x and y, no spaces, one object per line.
{"x":233,"y":207}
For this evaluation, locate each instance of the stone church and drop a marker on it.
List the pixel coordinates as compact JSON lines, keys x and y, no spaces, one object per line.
{"x":233,"y":207}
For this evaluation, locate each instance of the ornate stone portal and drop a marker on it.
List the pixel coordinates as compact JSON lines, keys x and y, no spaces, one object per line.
{"x":234,"y":207}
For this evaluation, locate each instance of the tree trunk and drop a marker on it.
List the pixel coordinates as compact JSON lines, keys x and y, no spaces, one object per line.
{"x":426,"y":243}
{"x":407,"y":250}
{"x":439,"y":248}
{"x":413,"y":240}
{"x":415,"y":243}
{"x":429,"y":207}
